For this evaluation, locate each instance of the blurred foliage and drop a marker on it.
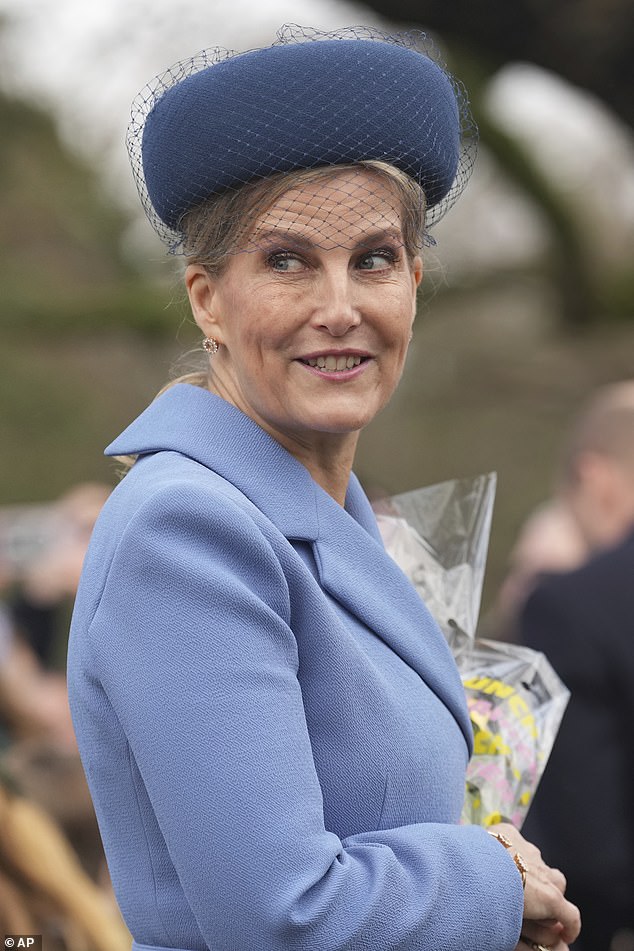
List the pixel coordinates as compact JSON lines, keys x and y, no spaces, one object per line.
{"x":61,"y":263}
{"x":586,"y":292}
{"x":74,"y":315}
{"x":574,"y":279}
{"x":588,"y":42}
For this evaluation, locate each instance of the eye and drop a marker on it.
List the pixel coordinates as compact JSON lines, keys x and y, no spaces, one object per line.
{"x":284,"y":261}
{"x":377,"y":260}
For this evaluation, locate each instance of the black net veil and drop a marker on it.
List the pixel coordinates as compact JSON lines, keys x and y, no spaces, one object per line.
{"x":295,"y":155}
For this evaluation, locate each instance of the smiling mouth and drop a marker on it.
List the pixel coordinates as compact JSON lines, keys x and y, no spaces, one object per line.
{"x":335,"y":363}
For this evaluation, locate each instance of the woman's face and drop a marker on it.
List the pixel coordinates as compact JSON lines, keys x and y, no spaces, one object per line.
{"x":314,"y":316}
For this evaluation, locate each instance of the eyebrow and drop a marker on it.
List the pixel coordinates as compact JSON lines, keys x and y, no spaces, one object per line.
{"x":298,"y":240}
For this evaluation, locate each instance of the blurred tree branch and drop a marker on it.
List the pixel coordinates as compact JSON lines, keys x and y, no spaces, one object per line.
{"x":579,"y":298}
{"x":588,"y":42}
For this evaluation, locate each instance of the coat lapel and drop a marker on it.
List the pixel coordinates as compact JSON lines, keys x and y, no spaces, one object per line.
{"x":197,"y":424}
{"x":371,"y":586}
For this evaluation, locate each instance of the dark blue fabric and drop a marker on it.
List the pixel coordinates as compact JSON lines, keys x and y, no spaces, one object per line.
{"x":301,"y":105}
{"x":582,"y":815}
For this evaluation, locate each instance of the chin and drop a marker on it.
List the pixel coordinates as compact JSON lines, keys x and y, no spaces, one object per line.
{"x":346,"y":425}
{"x":343,"y":419}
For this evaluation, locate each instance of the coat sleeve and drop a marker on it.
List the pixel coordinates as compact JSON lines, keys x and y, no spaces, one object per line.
{"x":192,"y":643}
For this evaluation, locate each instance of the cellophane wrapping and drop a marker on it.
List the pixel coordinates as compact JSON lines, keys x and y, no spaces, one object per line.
{"x":439,"y":536}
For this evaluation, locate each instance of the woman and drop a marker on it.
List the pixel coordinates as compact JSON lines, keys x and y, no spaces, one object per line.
{"x":272,"y":726}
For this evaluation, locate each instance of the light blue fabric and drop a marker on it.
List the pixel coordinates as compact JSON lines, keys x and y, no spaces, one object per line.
{"x":273,"y":729}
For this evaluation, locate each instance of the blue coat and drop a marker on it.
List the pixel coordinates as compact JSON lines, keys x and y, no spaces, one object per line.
{"x":272,"y":726}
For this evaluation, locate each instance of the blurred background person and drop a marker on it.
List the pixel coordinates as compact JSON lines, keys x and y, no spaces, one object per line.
{"x":43,"y":887}
{"x":550,"y":540}
{"x":33,"y":701}
{"x":44,"y":589}
{"x":598,"y":477}
{"x":583,"y":620}
{"x":53,"y":878}
{"x":42,"y":549}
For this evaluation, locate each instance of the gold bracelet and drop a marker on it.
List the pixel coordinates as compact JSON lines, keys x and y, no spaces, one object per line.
{"x":522,"y":867}
{"x":533,"y":944}
{"x":501,"y":838}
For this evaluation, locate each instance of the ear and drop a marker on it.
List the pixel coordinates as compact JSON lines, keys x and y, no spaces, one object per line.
{"x":201,"y":288}
{"x":417,"y":276}
{"x":417,"y":270}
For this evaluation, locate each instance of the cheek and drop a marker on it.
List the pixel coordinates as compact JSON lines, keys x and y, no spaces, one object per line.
{"x":265,"y":320}
{"x":248,"y":333}
{"x":398,"y":321}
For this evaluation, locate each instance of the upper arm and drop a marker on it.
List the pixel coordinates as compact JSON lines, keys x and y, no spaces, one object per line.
{"x":193,"y":647}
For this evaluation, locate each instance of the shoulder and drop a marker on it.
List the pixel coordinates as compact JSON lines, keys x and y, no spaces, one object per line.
{"x":171,"y":492}
{"x":583,"y":610}
{"x":172,"y":518}
{"x":605,"y":578}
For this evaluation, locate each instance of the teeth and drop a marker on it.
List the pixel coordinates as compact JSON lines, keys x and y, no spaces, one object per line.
{"x":333,"y":363}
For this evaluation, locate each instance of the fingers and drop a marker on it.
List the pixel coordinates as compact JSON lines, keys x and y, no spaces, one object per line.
{"x":547,"y":913}
{"x":543,"y":933}
{"x":549,"y":919}
{"x":558,"y":879}
{"x":530,"y":854}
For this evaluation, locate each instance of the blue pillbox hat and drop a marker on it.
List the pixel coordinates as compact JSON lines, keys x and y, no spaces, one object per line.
{"x":295,"y":105}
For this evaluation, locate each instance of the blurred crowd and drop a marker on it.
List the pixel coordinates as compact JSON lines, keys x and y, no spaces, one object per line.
{"x":53,"y":878}
{"x":569,"y":592}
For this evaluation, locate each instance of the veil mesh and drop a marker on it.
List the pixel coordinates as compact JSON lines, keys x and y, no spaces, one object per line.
{"x":360,"y":116}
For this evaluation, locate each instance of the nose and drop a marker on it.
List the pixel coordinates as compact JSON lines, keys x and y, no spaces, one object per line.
{"x":336,"y":310}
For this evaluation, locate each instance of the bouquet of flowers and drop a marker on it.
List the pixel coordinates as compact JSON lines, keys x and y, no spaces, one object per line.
{"x":439,"y":536}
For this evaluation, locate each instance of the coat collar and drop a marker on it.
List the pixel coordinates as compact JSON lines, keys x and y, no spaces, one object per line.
{"x":192,"y":421}
{"x":196,"y":423}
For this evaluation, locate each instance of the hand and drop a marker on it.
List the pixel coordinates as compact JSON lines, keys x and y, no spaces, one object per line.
{"x":549,"y":919}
